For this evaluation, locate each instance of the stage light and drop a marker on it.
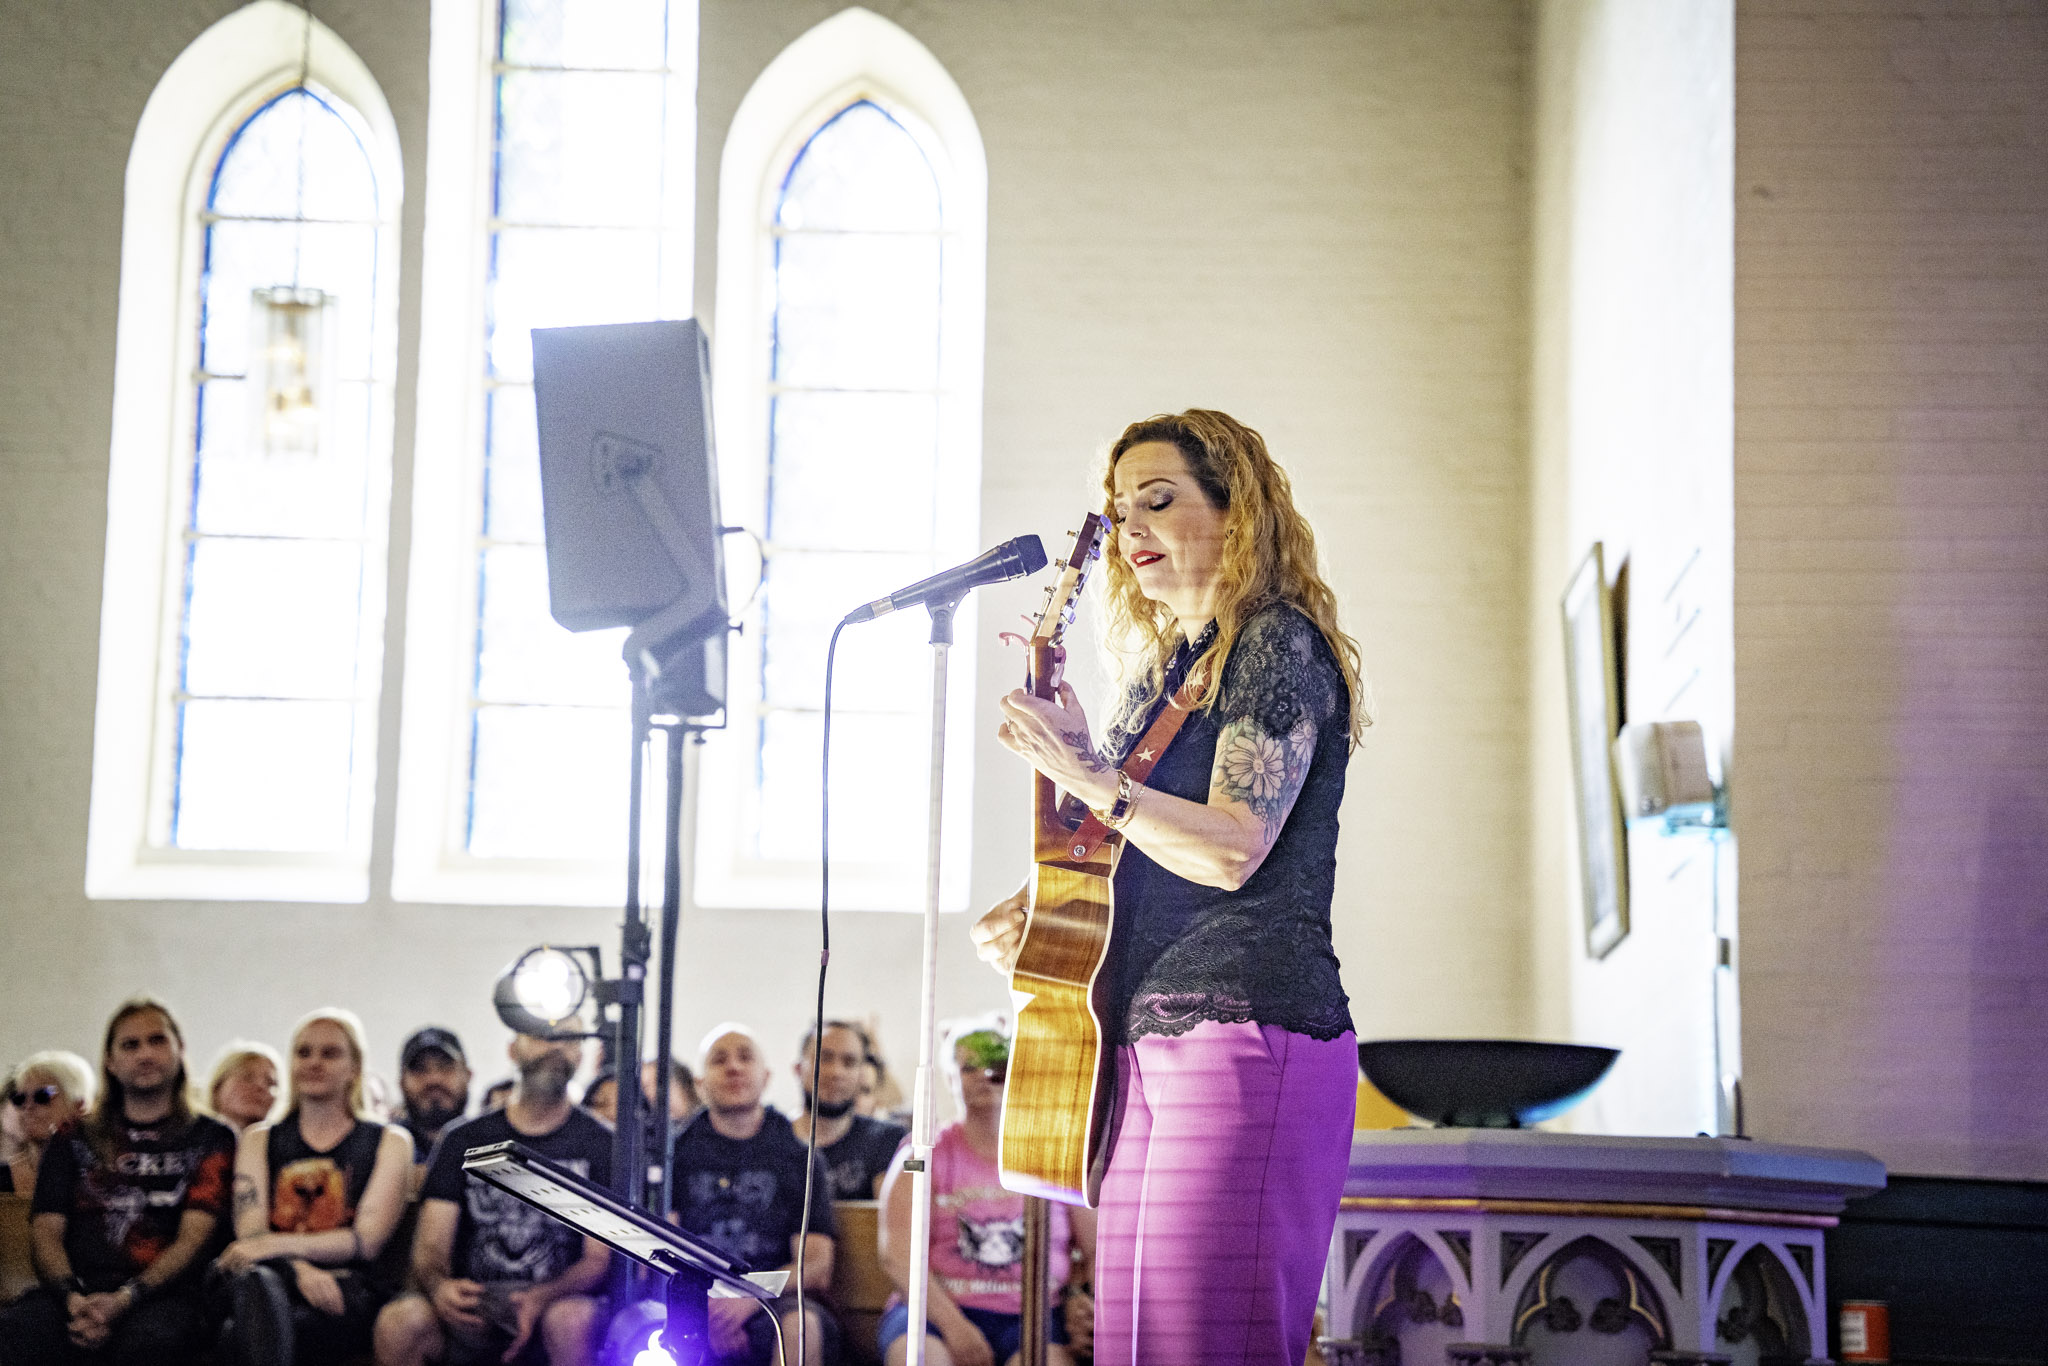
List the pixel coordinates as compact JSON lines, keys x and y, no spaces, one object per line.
{"x":543,"y":990}
{"x":634,"y":1338}
{"x":654,"y":1354}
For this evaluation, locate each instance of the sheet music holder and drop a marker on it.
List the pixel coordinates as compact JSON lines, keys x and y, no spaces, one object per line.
{"x":695,"y":1269}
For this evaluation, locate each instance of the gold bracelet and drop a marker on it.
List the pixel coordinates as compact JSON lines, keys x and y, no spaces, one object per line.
{"x":1119,"y":813}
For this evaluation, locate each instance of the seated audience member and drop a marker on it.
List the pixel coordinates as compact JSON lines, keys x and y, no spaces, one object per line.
{"x":880,"y":1096}
{"x":601,"y":1097}
{"x":48,"y":1090}
{"x":854,"y":1148}
{"x":977,"y":1227}
{"x":497,"y":1094}
{"x":682,"y":1088}
{"x":316,"y":1196}
{"x":433,"y":1076}
{"x":10,"y":1122}
{"x":603,"y":1094}
{"x":739,"y":1183}
{"x":127,"y":1202}
{"x":243,"y":1086}
{"x":499,"y":1280}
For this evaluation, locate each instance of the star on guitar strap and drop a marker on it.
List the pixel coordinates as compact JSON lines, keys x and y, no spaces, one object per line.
{"x":1144,"y":756}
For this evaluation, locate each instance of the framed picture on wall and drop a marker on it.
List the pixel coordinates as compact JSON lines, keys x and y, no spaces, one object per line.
{"x":1592,"y":688}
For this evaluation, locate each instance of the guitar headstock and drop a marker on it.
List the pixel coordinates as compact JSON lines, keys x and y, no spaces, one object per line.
{"x":1064,"y":595}
{"x":1046,"y":653}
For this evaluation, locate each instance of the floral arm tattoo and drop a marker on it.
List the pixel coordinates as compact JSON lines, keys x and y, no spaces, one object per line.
{"x":246,"y":1193}
{"x":1263,"y":771}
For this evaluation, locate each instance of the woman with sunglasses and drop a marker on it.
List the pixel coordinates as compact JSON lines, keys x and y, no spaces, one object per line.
{"x":49,"y":1090}
{"x":974,"y":1316}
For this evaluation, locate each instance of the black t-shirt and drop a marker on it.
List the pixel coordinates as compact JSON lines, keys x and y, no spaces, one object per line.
{"x":314,"y":1190}
{"x":1184,"y":953}
{"x":122,"y":1207}
{"x":497,"y":1236}
{"x":853,"y":1163}
{"x":422,"y":1140}
{"x":747,"y":1195}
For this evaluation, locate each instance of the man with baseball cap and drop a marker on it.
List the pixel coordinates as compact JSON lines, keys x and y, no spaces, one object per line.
{"x":433,"y":1074}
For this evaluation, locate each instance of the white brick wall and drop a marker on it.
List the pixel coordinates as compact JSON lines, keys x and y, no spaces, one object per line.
{"x":1891,"y":610}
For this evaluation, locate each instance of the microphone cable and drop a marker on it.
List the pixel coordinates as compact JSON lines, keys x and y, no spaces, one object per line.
{"x":803,"y":1231}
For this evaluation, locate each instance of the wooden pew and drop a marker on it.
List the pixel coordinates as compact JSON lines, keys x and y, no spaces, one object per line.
{"x":860,"y":1287}
{"x":16,"y":1274}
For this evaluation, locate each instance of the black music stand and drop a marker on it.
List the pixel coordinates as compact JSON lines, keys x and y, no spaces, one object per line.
{"x":693,"y":1267}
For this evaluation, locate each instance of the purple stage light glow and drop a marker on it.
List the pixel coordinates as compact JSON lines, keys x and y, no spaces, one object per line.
{"x":654,"y":1354}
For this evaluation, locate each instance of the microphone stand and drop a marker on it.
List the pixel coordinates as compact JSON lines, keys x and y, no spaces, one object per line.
{"x":919,"y":1162}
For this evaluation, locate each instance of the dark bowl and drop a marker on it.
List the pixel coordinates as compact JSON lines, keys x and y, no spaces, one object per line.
{"x":1483,"y":1083}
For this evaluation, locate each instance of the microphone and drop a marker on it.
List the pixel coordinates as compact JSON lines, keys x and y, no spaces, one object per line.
{"x":1010,"y":560}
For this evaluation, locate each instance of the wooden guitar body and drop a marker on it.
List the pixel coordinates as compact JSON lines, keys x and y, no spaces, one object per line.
{"x":1055,"y":1106}
{"x":1056,"y":1102}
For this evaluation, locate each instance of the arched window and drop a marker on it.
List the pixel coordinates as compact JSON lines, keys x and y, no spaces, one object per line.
{"x":244,"y":600}
{"x":847,"y":374}
{"x":569,"y":199}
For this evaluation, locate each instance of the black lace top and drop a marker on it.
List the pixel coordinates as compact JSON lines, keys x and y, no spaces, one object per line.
{"x":1183,"y":953}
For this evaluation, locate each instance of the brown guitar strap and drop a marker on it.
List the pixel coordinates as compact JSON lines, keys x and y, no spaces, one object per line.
{"x":1144,"y":757}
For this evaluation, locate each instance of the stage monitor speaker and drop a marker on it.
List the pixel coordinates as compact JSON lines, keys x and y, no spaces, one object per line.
{"x":629,"y":495}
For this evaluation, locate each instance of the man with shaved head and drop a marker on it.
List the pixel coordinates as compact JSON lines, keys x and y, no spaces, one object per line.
{"x":739,"y":1183}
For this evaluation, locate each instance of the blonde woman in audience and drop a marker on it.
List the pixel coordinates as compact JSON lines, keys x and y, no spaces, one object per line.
{"x":242,"y":1088}
{"x":317,"y":1193}
{"x":49,"y":1090}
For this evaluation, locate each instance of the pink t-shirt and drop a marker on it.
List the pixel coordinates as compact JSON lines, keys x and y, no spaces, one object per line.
{"x":978,"y":1229}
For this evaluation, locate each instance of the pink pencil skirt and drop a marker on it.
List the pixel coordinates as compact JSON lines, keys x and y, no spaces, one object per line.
{"x":1220,"y":1195}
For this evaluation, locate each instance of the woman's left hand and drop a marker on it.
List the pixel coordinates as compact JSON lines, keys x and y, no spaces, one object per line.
{"x":1053,"y":737}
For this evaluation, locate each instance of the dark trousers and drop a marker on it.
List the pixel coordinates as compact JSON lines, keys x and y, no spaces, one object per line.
{"x":167,"y":1331}
{"x":270,"y":1324}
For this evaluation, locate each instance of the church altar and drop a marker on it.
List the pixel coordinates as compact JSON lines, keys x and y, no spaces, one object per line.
{"x":1504,"y":1246}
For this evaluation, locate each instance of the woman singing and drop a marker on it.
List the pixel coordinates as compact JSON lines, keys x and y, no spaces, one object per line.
{"x":1236,"y":1066}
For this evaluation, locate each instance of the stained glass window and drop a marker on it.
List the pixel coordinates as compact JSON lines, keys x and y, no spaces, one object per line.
{"x":852,"y":499}
{"x":278,"y":617}
{"x":593,"y":154}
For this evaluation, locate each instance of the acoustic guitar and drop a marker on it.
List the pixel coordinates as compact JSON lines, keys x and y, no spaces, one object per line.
{"x":1055,"y":1107}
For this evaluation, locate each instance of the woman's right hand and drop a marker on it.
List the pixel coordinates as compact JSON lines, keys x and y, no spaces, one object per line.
{"x":1000,"y":934}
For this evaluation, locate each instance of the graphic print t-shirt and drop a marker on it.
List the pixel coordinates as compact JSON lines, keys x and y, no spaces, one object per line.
{"x":978,"y":1229}
{"x":122,"y":1208}
{"x":856,"y":1160}
{"x":497,"y":1237}
{"x":312,"y":1191}
{"x":747,"y":1195}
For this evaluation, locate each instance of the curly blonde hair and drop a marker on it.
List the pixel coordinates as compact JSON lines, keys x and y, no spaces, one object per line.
{"x":1269,"y":555}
